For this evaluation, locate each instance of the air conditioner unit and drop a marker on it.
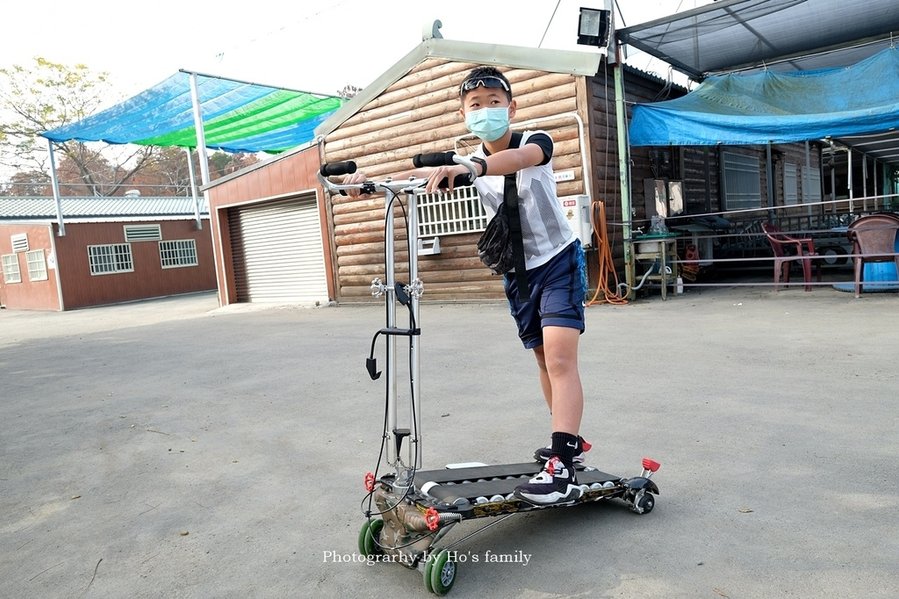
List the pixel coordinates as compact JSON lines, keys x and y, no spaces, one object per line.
{"x":577,"y":211}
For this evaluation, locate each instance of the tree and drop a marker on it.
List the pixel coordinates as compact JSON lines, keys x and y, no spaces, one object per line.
{"x":167,"y":174}
{"x":221,"y":163}
{"x":348,"y":91}
{"x":27,"y":183}
{"x":49,"y":95}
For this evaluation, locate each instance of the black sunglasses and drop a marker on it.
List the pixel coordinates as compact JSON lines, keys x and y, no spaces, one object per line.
{"x":488,"y":81}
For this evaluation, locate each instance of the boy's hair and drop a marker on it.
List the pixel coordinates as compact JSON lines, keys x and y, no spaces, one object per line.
{"x":485,"y":75}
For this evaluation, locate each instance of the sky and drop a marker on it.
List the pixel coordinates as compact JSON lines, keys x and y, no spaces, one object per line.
{"x":317,"y":46}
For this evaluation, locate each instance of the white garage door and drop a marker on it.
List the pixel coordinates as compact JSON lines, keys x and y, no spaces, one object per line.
{"x":278,"y":255}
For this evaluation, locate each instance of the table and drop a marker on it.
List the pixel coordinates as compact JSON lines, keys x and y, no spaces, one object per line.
{"x":659,"y":249}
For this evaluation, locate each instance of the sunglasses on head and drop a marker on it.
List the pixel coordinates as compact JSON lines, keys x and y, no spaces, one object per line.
{"x":489,"y":81}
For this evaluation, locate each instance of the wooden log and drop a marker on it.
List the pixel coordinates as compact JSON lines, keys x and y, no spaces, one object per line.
{"x":413,"y":106}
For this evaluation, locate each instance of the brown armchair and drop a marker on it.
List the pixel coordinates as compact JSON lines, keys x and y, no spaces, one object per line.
{"x":789,"y":249}
{"x":873,"y":239}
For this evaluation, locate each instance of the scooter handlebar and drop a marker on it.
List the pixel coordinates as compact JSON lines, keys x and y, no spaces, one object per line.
{"x":437,"y":159}
{"x":445,"y":159}
{"x":334,"y":169}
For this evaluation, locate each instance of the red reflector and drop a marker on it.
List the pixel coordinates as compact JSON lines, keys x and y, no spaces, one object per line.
{"x":433,"y":519}
{"x":651,"y":464}
{"x":369,"y":482}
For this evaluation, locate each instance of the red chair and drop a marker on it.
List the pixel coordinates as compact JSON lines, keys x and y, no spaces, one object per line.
{"x":788,"y":250}
{"x":873,"y":239}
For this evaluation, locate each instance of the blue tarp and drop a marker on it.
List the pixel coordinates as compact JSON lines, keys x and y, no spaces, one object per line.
{"x":237,"y":116}
{"x":768,"y":107}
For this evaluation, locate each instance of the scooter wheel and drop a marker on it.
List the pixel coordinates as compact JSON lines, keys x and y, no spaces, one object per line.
{"x":440,"y":571}
{"x":646,"y":503}
{"x":368,"y":537}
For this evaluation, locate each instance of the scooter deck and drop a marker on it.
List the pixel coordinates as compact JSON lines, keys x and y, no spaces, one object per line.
{"x":448,"y":493}
{"x":488,"y":490}
{"x":473,"y":473}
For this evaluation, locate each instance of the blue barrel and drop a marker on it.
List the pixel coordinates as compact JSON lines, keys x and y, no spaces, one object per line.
{"x":878,"y":276}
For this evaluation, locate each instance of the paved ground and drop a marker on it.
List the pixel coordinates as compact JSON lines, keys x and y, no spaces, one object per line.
{"x":170,"y":448}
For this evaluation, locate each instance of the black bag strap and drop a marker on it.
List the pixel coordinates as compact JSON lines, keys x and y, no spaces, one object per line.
{"x":510,"y":199}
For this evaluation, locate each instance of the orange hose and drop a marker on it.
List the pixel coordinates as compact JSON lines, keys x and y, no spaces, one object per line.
{"x":606,"y":263}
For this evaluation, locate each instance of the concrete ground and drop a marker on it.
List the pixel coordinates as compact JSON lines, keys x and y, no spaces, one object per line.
{"x":171,"y":448}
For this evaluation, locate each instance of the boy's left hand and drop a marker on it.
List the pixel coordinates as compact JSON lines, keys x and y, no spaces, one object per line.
{"x":439,"y":174}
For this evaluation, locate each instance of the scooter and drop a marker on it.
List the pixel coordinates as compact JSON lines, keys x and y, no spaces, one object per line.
{"x":409,"y":510}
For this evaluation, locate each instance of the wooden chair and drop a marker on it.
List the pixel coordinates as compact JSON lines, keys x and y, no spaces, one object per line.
{"x":788,"y":250}
{"x":873,"y":239}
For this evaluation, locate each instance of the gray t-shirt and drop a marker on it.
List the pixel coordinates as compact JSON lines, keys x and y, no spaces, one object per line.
{"x":545,"y":229}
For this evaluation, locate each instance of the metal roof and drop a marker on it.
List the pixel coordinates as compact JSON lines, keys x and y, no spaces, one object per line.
{"x":100,"y":208}
{"x":734,"y":35}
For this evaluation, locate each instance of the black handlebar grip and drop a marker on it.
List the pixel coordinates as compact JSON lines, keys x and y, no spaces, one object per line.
{"x":438,"y":159}
{"x":338,"y":168}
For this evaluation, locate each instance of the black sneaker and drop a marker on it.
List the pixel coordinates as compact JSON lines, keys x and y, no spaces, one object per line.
{"x":544,"y":453}
{"x":555,"y":484}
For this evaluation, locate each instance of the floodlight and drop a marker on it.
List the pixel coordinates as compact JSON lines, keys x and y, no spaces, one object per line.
{"x":593,"y":27}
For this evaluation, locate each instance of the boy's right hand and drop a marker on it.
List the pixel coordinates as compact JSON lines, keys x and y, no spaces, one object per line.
{"x":352,"y":179}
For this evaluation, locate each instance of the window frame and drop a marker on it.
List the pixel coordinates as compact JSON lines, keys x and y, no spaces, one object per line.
{"x":116,"y":256}
{"x":177,"y":252}
{"x":35,"y":274}
{"x":7,"y":271}
{"x":791,"y":174}
{"x":733,"y":165}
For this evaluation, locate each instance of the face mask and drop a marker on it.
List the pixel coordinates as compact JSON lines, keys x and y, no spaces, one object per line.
{"x":489,"y":124}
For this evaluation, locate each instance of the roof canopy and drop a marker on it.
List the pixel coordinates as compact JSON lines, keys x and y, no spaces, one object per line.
{"x":768,"y":107}
{"x":100,"y":208}
{"x":237,"y":116}
{"x":731,"y":35}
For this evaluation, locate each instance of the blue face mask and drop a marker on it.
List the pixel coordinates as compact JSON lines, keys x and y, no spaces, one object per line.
{"x":489,"y":124}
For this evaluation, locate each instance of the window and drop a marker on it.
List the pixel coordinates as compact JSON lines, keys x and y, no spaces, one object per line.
{"x":178,"y":253}
{"x":37,"y":265}
{"x":742,"y":182}
{"x":11,"y":272}
{"x":109,"y":259}
{"x":791,"y":184}
{"x":450,"y":214}
{"x":811,"y":185}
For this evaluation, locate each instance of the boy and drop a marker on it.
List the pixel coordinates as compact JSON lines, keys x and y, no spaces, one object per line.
{"x":551,"y":321}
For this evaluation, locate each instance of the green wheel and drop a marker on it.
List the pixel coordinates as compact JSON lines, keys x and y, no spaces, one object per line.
{"x":443,"y":572}
{"x":426,"y":573}
{"x":368,"y":536}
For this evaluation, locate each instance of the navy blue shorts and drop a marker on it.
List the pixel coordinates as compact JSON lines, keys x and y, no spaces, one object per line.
{"x":557,"y":296}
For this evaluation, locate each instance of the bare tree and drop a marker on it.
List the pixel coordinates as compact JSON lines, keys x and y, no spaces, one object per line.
{"x":49,"y":95}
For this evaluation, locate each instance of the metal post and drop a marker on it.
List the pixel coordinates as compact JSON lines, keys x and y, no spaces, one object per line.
{"x":201,"y":139}
{"x":864,"y":182}
{"x":390,"y":300}
{"x":54,"y":180}
{"x":193,"y":187}
{"x":621,"y":128}
{"x":849,"y":179}
{"x":769,"y":166}
{"x":415,"y":446}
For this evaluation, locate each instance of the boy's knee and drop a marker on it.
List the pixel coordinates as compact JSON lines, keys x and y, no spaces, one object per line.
{"x":560,"y":364}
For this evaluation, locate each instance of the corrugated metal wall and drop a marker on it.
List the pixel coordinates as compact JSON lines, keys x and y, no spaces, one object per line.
{"x":41,"y":294}
{"x":148,"y":279}
{"x":291,"y":174}
{"x":277,"y":252}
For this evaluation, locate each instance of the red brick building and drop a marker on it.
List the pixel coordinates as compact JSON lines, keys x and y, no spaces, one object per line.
{"x":113,"y":250}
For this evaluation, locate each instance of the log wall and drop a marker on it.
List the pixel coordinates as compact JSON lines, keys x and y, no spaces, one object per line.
{"x":417,"y":114}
